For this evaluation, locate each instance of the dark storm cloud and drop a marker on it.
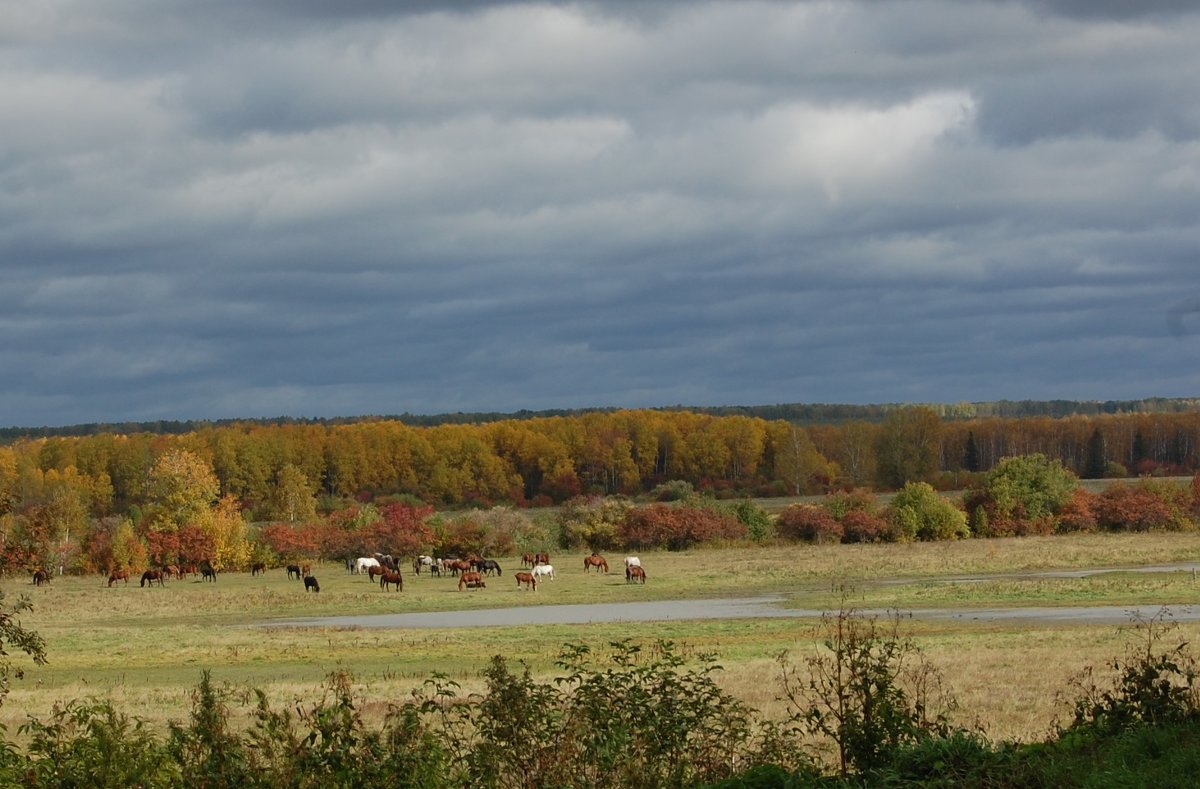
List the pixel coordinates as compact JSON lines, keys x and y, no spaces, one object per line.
{"x":316,"y":209}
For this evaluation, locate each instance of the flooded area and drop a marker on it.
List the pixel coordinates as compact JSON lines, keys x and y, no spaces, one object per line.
{"x":731,"y":608}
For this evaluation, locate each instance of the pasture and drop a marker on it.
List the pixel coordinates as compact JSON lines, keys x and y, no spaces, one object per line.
{"x":146,"y":647}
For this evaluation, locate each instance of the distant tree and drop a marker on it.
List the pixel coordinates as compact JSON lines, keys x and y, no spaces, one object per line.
{"x":971,"y":453}
{"x":907,"y":446}
{"x":1097,"y":463}
{"x":294,"y":497}
{"x":1138,"y":451}
{"x":182,"y":489}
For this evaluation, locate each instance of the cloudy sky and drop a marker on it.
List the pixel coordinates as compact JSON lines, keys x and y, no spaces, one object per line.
{"x":239,"y":209}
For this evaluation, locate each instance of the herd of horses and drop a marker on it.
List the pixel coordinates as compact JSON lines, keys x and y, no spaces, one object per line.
{"x":471,"y":571}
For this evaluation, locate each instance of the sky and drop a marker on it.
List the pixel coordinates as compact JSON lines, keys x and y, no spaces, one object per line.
{"x":313,"y":209}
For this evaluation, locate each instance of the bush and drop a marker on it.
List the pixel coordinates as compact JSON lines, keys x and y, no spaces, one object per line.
{"x":757,"y":521}
{"x":862,"y":526}
{"x":1022,"y":495}
{"x":676,"y":527}
{"x":809,"y":523}
{"x":918,"y":512}
{"x":592,"y":522}
{"x":1146,"y":506}
{"x":841,"y":503}
{"x":1154,"y":685}
{"x":869,"y":691}
{"x":1078,"y":514}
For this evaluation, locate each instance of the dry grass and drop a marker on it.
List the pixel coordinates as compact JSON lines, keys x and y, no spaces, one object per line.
{"x":147,"y":647}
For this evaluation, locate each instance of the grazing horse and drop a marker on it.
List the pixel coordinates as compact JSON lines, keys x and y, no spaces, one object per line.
{"x":634,"y":573}
{"x":310,"y":584}
{"x":489,"y":566}
{"x":632,"y":561}
{"x":364,"y":563}
{"x":40,"y":577}
{"x":595,"y":560}
{"x":208,"y":572}
{"x":471,"y":580}
{"x":541,"y":558}
{"x":544,"y":571}
{"x":457,"y":566}
{"x":118,"y":575}
{"x":306,"y":569}
{"x":258,"y":567}
{"x":294,"y":571}
{"x":390,"y":577}
{"x":173,"y":571}
{"x":527,"y":559}
{"x":426,"y":561}
{"x":528,"y":579}
{"x":150,"y":576}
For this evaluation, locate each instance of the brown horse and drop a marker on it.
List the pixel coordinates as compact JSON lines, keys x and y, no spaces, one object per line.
{"x":634,"y":572}
{"x":595,"y":560}
{"x":173,"y":571}
{"x":374,"y":571}
{"x":471,"y":580}
{"x":541,"y":558}
{"x":40,"y":577}
{"x":527,"y":559}
{"x":456,"y":566}
{"x":294,"y":570}
{"x":258,"y":567}
{"x":118,"y":575}
{"x":390,"y":577}
{"x":311,"y":585}
{"x":150,"y":576}
{"x":528,"y":580}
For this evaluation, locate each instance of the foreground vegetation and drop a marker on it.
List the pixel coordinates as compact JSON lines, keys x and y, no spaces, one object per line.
{"x":864,"y":707}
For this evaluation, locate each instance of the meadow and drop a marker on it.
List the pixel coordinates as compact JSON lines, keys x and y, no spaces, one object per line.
{"x":146,"y":647}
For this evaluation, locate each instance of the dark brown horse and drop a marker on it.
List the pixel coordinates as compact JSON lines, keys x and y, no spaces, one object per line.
{"x":294,"y":570}
{"x":527,"y":559}
{"x":40,"y":577}
{"x":471,"y":580}
{"x":527,"y":579}
{"x":393,"y":578}
{"x":595,"y":560}
{"x":258,"y":567}
{"x":150,"y":576}
{"x":541,"y":558}
{"x":635,"y":573}
{"x":311,"y":585}
{"x":118,"y":575}
{"x":208,"y":572}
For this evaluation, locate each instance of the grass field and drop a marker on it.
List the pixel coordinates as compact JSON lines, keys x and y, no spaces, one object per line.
{"x":147,"y":647}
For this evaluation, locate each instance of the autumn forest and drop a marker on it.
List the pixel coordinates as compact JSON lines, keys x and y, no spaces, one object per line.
{"x":152,"y":488}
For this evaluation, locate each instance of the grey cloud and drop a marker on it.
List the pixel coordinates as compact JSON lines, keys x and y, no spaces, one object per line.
{"x":356,"y":209}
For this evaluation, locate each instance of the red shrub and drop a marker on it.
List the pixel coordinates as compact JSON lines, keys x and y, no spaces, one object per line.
{"x":1135,"y":508}
{"x":1078,"y":514}
{"x":862,"y":526}
{"x":402,"y":530}
{"x":676,"y":528}
{"x":809,"y":523}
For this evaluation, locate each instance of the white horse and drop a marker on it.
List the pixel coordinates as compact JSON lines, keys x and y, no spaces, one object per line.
{"x":364,"y":563}
{"x":632,"y":561}
{"x":544,"y":571}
